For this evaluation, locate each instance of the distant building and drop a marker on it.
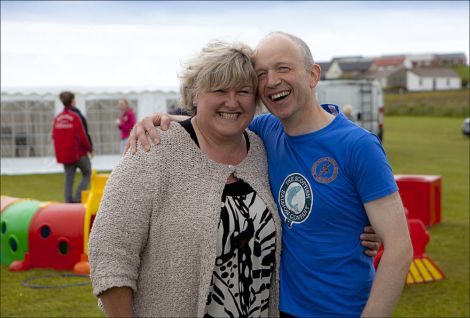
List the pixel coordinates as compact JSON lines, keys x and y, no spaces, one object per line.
{"x":423,"y":60}
{"x":452,"y":59}
{"x":324,"y":69}
{"x":391,"y":62}
{"x":348,"y":67}
{"x":425,"y":79}
{"x":380,"y":76}
{"x":382,"y":67}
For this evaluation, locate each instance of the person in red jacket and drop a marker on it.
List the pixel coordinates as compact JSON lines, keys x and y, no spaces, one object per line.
{"x":125,"y":122}
{"x":72,"y":146}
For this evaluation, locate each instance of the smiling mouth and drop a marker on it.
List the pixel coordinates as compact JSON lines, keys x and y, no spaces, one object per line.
{"x":229,"y":115}
{"x":279,"y":96}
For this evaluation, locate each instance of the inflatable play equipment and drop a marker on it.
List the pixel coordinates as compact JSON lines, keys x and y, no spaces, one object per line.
{"x":38,"y":234}
{"x":422,"y":269}
{"x":15,"y":222}
{"x":55,"y":235}
{"x":421,"y":196}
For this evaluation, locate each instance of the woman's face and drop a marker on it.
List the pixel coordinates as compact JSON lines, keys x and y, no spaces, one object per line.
{"x":225,"y":113}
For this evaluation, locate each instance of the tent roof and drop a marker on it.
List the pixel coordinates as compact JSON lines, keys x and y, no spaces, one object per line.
{"x":85,"y":90}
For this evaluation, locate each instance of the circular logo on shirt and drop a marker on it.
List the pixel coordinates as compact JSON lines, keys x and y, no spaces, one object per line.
{"x":295,"y":199}
{"x":325,"y":170}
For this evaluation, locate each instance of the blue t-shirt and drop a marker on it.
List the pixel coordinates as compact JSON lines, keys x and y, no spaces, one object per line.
{"x":320,"y":182}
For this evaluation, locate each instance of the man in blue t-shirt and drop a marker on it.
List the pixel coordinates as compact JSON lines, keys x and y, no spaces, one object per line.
{"x":329,"y":178}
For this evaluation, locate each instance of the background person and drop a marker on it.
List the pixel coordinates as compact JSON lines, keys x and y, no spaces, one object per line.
{"x":329,"y":178}
{"x":125,"y":122}
{"x":72,"y":145}
{"x":347,"y":111}
{"x":156,"y":248}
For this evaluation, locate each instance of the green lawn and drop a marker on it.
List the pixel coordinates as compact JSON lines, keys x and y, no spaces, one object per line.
{"x":435,"y":103}
{"x":415,"y":145}
{"x":435,"y":146}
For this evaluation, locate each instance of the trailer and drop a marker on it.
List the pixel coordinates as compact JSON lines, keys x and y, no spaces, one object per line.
{"x":363,"y":96}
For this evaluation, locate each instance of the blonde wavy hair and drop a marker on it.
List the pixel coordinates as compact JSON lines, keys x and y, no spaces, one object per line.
{"x":220,"y":65}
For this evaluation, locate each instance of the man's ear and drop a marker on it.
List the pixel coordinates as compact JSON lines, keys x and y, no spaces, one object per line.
{"x":315,"y":74}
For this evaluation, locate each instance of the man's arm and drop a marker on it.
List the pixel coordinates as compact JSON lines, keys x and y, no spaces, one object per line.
{"x":145,"y":130}
{"x":387,"y":216}
{"x":117,"y":302}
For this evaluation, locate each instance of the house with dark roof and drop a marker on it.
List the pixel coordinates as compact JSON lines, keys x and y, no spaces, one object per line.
{"x":452,"y":59}
{"x":324,"y":69}
{"x":348,"y":68}
{"x":425,"y":79}
{"x":380,"y":76}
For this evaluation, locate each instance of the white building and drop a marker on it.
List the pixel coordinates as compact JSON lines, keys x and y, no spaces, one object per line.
{"x":27,"y":116}
{"x":425,"y":79}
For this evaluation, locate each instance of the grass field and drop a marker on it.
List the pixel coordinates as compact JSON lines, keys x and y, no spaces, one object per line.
{"x":437,"y":103}
{"x":415,"y":145}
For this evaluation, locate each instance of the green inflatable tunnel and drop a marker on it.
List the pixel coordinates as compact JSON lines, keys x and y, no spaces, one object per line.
{"x":15,"y":221}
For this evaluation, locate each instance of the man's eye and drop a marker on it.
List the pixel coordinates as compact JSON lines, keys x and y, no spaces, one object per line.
{"x":261,"y":75}
{"x":284,"y":69}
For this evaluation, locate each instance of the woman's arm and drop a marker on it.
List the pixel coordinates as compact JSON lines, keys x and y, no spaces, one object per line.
{"x":117,"y":302}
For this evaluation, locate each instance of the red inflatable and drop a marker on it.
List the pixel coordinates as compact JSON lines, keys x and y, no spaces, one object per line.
{"x":55,"y":238}
{"x":421,"y":195}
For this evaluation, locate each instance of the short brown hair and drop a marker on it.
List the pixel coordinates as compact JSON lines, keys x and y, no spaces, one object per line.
{"x":67,"y":98}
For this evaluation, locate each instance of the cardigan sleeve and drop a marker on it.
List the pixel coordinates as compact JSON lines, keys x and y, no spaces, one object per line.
{"x":120,"y":230}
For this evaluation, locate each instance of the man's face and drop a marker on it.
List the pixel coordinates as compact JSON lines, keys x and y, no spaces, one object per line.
{"x":285,"y":86}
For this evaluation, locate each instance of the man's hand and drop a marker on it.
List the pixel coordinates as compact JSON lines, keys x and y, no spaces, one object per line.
{"x":145,"y":131}
{"x":371,"y":241}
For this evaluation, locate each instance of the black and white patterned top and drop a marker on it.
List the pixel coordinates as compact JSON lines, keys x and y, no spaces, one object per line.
{"x":246,"y":245}
{"x":245,"y":256}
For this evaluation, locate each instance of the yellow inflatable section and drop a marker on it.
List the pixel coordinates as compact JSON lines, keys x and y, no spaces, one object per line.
{"x":91,"y":199}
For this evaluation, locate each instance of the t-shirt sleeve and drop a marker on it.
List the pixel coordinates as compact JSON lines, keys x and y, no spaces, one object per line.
{"x":371,"y":170}
{"x":261,"y":124}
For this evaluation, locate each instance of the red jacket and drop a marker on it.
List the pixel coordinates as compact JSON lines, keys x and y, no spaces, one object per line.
{"x":70,"y":139}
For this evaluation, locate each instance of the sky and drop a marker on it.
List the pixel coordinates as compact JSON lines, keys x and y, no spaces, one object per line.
{"x":144,"y":43}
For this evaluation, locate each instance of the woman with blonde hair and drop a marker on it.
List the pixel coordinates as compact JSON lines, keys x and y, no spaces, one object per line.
{"x":190,"y":228}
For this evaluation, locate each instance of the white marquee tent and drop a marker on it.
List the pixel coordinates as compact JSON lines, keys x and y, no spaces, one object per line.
{"x":27,"y":115}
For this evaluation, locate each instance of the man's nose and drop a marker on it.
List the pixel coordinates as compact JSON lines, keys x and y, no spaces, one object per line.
{"x":273,"y":79}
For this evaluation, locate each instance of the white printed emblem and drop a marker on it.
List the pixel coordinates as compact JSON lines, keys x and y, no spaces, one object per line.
{"x":295,"y":199}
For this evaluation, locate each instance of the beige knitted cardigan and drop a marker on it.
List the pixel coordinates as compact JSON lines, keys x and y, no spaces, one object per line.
{"x":156,"y":228}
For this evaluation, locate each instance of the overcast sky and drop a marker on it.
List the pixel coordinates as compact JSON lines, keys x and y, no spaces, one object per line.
{"x":143,"y":43}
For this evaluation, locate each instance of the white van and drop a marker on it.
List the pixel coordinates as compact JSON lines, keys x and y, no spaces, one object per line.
{"x":364,"y":96}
